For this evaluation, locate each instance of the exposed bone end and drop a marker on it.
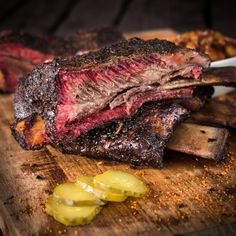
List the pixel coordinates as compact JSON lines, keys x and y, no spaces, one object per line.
{"x":202,"y":141}
{"x":220,"y":111}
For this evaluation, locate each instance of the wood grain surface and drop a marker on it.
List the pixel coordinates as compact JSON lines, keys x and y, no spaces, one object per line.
{"x":188,"y":196}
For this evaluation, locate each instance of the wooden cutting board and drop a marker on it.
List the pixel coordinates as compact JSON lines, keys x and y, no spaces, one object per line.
{"x":188,"y":196}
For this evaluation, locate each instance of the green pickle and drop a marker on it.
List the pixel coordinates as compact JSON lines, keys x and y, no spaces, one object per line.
{"x":70,"y":215}
{"x":121,"y":182}
{"x":73,"y":195}
{"x":87,"y":183}
{"x":78,"y":203}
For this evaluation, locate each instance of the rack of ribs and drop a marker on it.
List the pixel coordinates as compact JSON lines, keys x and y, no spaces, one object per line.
{"x":71,"y":102}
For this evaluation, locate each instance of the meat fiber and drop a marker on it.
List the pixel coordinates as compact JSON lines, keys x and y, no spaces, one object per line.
{"x":140,"y":140}
{"x":73,"y":96}
{"x":21,"y":52}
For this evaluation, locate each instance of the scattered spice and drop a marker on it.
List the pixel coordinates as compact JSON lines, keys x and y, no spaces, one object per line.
{"x":100,"y":163}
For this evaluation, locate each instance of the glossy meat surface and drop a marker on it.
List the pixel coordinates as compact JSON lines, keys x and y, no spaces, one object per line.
{"x":140,"y":140}
{"x":84,"y":92}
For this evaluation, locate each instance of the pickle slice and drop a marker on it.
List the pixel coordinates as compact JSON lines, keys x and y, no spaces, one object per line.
{"x":86,"y":182}
{"x":72,"y":194}
{"x":70,"y":215}
{"x":121,"y":182}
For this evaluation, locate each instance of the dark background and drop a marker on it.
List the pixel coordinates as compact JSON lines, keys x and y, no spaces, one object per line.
{"x":67,"y":16}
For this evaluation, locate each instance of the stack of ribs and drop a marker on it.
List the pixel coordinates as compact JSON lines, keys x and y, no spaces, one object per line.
{"x":20,"y":52}
{"x":121,"y":102}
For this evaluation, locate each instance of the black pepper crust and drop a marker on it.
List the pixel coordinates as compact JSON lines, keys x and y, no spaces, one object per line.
{"x":125,"y":48}
{"x":37,"y":91}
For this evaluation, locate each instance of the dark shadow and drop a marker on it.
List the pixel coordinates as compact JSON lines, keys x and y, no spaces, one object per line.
{"x":124,"y":7}
{"x":63,"y":16}
{"x":12,"y":10}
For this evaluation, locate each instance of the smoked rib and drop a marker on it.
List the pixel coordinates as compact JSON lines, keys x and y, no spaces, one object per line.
{"x":84,"y":92}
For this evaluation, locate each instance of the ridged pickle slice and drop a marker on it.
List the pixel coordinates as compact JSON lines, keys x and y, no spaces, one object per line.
{"x":70,"y":215}
{"x":87,"y":183}
{"x":74,"y":195}
{"x":121,"y":182}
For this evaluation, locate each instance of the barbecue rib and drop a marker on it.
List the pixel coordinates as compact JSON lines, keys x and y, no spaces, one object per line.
{"x":140,"y":140}
{"x":67,"y":97}
{"x":21,"y":52}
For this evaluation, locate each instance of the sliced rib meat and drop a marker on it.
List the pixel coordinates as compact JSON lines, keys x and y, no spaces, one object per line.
{"x":73,"y":96}
{"x":140,"y":140}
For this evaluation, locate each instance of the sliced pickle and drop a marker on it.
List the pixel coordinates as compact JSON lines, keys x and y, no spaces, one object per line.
{"x":121,"y":182}
{"x":86,"y":182}
{"x":70,"y":215}
{"x":72,"y":194}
